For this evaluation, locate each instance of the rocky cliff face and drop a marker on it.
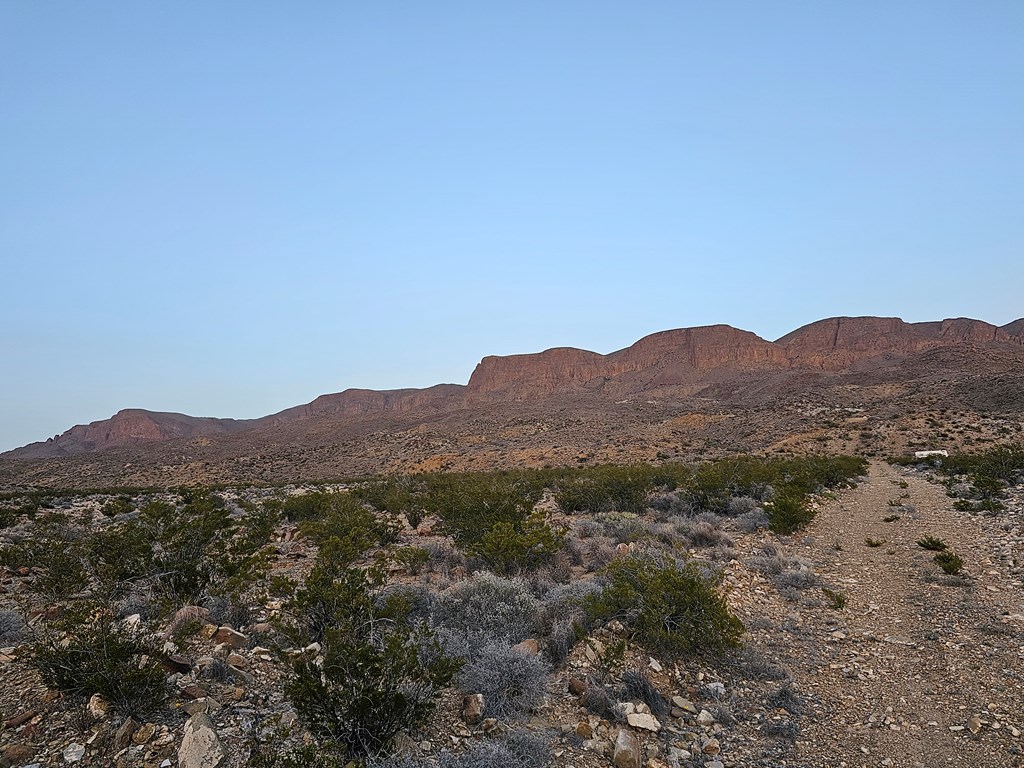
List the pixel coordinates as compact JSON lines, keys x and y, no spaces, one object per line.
{"x":360,"y":402}
{"x":128,"y":427}
{"x":669,"y":357}
{"x":690,"y":357}
{"x":839,"y":342}
{"x":1016,"y":328}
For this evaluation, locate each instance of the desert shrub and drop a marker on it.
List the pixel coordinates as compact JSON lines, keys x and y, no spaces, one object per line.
{"x":511,"y":681}
{"x":227,"y":610}
{"x":607,"y":488}
{"x":519,"y":749}
{"x":639,"y":687}
{"x":622,"y":527}
{"x":122,"y":505}
{"x":394,"y":495}
{"x":509,"y":548}
{"x":54,"y":546}
{"x":272,"y":755}
{"x":741,"y":505}
{"x":597,"y":699}
{"x":788,"y":512}
{"x":413,"y":559}
{"x":704,"y":534}
{"x":784,"y":729}
{"x":587,"y":528}
{"x":101,"y":656}
{"x":788,"y":698}
{"x":836,"y":599}
{"x":754,"y":666}
{"x":471,"y":505}
{"x":949,"y":562}
{"x":487,"y":608}
{"x":342,"y":516}
{"x":379,"y":673}
{"x":565,"y":619}
{"x":668,"y":606}
{"x":754,"y":520}
{"x":932,"y":543}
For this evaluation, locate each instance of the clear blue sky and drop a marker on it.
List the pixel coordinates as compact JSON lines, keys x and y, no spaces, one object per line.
{"x":229,"y":208}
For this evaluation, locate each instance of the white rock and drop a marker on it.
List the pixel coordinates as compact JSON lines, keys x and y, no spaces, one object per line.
{"x":200,"y":748}
{"x":644,"y":721}
{"x":73,"y":753}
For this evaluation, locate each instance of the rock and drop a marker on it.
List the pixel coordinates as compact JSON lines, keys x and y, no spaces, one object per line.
{"x":643,"y":721}
{"x":530,"y":647}
{"x":974,"y":724}
{"x":473,"y":708}
{"x":705,"y":718}
{"x":16,"y":754}
{"x":185,"y":615}
{"x":711,"y":747}
{"x":684,"y":704}
{"x":73,"y":753}
{"x":577,"y":687}
{"x":237,"y":660}
{"x":124,"y":733}
{"x":627,"y":752}
{"x":655,"y":665}
{"x":716,"y":689}
{"x":200,"y":747}
{"x":144,"y":733}
{"x":584,"y":731}
{"x":98,"y":707}
{"x":230,"y":638}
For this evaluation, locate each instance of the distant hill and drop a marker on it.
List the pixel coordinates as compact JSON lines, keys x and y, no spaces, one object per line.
{"x":718,"y":383}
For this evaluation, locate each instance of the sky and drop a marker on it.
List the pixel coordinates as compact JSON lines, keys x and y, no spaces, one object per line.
{"x":226,"y":209}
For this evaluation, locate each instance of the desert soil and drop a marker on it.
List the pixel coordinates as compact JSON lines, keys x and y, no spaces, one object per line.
{"x":919,"y":669}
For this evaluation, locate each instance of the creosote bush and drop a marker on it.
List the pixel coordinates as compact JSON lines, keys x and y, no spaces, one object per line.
{"x":668,"y":606}
{"x":102,"y":656}
{"x":379,"y":674}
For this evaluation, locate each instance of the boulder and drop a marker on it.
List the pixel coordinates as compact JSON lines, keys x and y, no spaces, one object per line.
{"x":200,"y":747}
{"x":230,"y":638}
{"x":627,"y":750}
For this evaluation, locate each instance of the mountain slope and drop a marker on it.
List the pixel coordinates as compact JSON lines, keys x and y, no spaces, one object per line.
{"x":706,"y":370}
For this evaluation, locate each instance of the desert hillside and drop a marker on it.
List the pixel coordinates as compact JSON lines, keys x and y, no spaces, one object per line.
{"x":865,"y":385}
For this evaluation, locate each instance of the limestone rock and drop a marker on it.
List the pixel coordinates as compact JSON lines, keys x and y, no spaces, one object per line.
{"x":644,"y":721}
{"x":200,"y":747}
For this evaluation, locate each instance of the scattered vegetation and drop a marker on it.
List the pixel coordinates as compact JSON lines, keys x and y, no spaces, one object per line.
{"x":932,"y":543}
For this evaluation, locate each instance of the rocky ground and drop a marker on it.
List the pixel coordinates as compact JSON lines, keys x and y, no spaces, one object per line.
{"x":859,"y":651}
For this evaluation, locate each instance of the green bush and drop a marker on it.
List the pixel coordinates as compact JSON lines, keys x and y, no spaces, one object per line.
{"x":106,"y":658}
{"x":379,"y":673}
{"x":949,"y":561}
{"x":508,"y":548}
{"x":471,"y":505}
{"x":667,"y":606}
{"x":788,"y":512}
{"x":932,"y":543}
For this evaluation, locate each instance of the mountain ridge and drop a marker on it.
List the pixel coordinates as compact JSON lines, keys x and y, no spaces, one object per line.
{"x":685,"y":358}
